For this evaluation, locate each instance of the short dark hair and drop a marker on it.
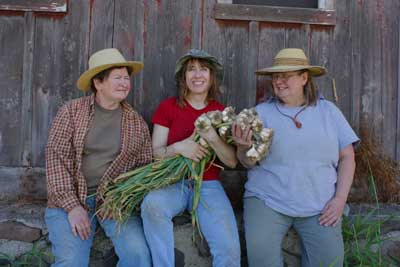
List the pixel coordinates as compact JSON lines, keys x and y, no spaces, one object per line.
{"x":101,"y":76}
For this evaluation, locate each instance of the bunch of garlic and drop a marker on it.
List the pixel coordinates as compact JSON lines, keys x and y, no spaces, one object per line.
{"x":222,"y":121}
{"x":262,"y":137}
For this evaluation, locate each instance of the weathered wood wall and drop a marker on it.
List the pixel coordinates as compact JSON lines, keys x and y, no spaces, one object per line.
{"x":43,"y":54}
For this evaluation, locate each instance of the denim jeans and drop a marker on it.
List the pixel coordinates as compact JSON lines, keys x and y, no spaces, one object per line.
{"x":266,"y":228}
{"x":128,"y":239}
{"x":216,"y":219}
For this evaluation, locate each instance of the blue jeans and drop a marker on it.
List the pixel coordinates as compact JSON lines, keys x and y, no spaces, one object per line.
{"x":128,"y":239}
{"x":265,"y":229}
{"x":216,"y":220}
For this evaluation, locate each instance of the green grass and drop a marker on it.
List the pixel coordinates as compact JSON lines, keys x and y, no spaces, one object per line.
{"x":32,"y":258}
{"x":362,"y":241}
{"x":362,"y":236}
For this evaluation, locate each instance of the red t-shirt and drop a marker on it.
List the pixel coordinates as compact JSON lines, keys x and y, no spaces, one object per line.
{"x":180,"y":122}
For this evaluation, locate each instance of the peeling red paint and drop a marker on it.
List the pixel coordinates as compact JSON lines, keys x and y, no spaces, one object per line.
{"x":185,"y":26}
{"x":185,"y":23}
{"x":380,"y":11}
{"x":54,"y":16}
{"x":11,"y":13}
{"x":158,"y":3}
{"x":382,"y":19}
{"x":187,"y":41}
{"x":263,"y":87}
{"x":230,"y":23}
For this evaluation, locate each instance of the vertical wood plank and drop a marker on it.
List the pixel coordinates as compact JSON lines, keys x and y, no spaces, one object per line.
{"x":234,"y":44}
{"x":389,"y":25}
{"x":320,"y":54}
{"x":371,"y":75}
{"x":272,"y":39}
{"x":11,"y":73}
{"x":398,"y":96}
{"x":167,"y":36}
{"x":26,"y":112}
{"x":128,"y":38}
{"x":355,"y":20}
{"x":60,"y":57}
{"x":101,"y":24}
{"x":236,"y":81}
{"x":340,"y":67}
{"x":252,"y":62}
{"x":197,"y":23}
{"x":297,"y":36}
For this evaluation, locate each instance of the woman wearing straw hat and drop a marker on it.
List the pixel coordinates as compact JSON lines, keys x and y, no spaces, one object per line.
{"x":198,"y":75}
{"x":304,"y":181}
{"x":92,"y":140}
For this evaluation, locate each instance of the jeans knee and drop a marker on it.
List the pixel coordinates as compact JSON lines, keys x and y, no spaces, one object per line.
{"x":134,"y":254}
{"x":151,"y":207}
{"x":226,"y":252}
{"x":72,"y":256}
{"x":229,"y":257}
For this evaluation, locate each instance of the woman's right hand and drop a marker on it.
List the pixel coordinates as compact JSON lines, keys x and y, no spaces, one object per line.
{"x":190,"y":149}
{"x":79,"y":221}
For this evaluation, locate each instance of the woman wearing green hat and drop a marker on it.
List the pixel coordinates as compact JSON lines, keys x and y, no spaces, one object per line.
{"x":304,"y":181}
{"x":94,"y":139}
{"x":197,"y":75}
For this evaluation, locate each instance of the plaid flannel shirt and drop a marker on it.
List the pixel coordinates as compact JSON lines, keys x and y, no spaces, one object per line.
{"x":66,"y":185}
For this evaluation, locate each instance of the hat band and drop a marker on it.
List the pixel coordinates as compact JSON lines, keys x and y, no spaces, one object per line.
{"x":290,"y":61}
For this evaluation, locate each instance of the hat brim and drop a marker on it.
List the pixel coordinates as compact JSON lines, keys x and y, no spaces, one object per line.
{"x":182,"y":61}
{"x":314,"y":70}
{"x":85,"y":79}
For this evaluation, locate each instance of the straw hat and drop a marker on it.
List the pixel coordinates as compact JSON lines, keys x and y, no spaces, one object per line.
{"x":102,"y":60}
{"x":200,"y":54}
{"x":291,"y":59}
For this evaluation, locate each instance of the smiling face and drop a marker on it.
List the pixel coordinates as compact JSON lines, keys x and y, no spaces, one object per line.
{"x":198,"y":78}
{"x":114,"y":88}
{"x":289,"y":86}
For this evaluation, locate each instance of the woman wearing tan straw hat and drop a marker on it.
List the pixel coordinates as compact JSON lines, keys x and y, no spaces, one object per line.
{"x":92,"y":140}
{"x":304,"y":181}
{"x":197,"y":75}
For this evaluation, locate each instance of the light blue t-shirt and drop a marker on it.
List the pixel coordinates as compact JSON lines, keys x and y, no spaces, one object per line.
{"x":298,"y":176}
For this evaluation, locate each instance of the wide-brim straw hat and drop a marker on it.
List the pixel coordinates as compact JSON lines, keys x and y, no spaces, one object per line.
{"x":102,"y":60}
{"x":199,"y":54}
{"x":291,"y":59}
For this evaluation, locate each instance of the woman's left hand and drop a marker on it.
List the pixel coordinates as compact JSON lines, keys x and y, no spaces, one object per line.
{"x":332,"y":212}
{"x":242,"y":138}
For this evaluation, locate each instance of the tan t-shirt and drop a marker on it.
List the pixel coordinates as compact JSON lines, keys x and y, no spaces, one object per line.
{"x":102,"y":145}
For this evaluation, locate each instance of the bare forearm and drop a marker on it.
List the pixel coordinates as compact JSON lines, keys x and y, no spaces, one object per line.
{"x":345,"y":177}
{"x":346,"y":170}
{"x":245,"y":161}
{"x":225,"y":152}
{"x":166,"y":151}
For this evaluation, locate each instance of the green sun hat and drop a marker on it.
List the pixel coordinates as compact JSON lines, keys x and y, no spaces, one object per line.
{"x":200,"y":54}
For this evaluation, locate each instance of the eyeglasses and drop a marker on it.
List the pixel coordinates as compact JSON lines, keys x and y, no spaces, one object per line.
{"x":284,"y":76}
